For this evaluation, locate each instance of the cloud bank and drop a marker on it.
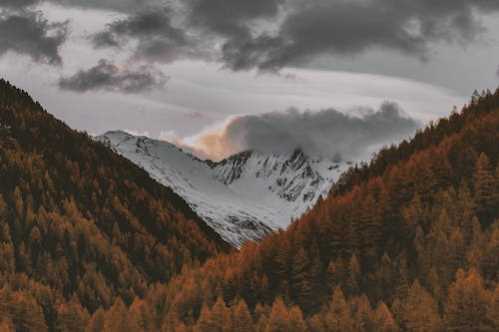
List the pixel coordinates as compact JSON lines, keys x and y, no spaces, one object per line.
{"x":27,"y":32}
{"x":271,"y":34}
{"x":157,"y":40}
{"x":266,"y":35}
{"x":106,"y":76}
{"x":326,"y":133}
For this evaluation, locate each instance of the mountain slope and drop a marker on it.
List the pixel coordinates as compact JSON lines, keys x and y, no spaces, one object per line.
{"x":243,"y":197}
{"x":411,"y":246}
{"x":79,"y":221}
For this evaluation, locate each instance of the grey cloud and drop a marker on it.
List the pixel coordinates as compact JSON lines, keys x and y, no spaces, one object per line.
{"x":18,"y":3}
{"x":29,"y":33}
{"x":107,"y":76}
{"x":157,"y":38}
{"x":202,"y":24}
{"x":327,"y":133}
{"x":301,"y":29}
{"x":341,"y":27}
{"x":230,"y":18}
{"x":124,"y":6}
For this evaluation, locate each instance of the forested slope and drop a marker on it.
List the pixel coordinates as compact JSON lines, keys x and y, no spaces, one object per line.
{"x":409,"y":243}
{"x":79,"y":225}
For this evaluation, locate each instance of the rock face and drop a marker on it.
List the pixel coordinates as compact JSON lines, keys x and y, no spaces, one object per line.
{"x":243,"y":197}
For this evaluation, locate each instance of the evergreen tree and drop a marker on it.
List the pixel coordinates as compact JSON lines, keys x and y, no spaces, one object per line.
{"x":352,"y":282}
{"x":383,"y":319}
{"x":486,"y":189}
{"x":242,"y":317}
{"x":362,"y":313}
{"x":72,"y":317}
{"x":279,"y":318}
{"x":301,"y":280}
{"x":216,"y":319}
{"x":97,"y":321}
{"x":420,"y":311}
{"x":117,"y":319}
{"x":493,"y":309}
{"x":338,"y":316}
{"x":296,"y":321}
{"x":467,"y":303}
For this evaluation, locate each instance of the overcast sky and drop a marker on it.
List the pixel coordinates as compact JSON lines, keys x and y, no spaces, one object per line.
{"x":216,"y":74}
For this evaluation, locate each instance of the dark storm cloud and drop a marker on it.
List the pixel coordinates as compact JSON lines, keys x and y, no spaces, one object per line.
{"x":29,"y":33}
{"x":124,"y":6}
{"x":18,"y":3}
{"x":158,"y":39}
{"x":230,"y":18}
{"x":201,"y":24}
{"x":107,"y":76}
{"x":327,"y":133}
{"x":351,"y":27}
{"x":300,"y":30}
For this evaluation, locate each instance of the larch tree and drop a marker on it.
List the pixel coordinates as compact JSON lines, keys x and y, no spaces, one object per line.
{"x":493,"y":310}
{"x":242,"y":317}
{"x":338,"y":316}
{"x":72,"y":316}
{"x":279,"y":318}
{"x":420,"y":311}
{"x":485,"y":189}
{"x":467,"y":303}
{"x":383,"y":319}
{"x":117,"y":319}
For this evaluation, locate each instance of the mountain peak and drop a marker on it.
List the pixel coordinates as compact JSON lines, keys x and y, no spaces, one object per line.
{"x":243,"y":197}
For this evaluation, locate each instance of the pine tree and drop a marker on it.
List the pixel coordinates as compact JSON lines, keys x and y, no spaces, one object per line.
{"x":456,"y":250}
{"x":466,"y":211}
{"x":467,"y":303}
{"x":486,"y":189}
{"x":97,"y":321}
{"x":338,"y":317}
{"x":493,"y":309}
{"x":296,"y":321}
{"x":72,"y":316}
{"x":216,"y":319}
{"x":316,"y":324}
{"x":221,"y":316}
{"x":242,"y":317}
{"x":383,"y":319}
{"x":362,"y":313}
{"x":439,"y":244}
{"x":301,"y":280}
{"x":414,"y":215}
{"x":352,"y":283}
{"x":370,"y":228}
{"x":420,"y":311}
{"x":142,"y":314}
{"x":7,"y":263}
{"x":117,"y":319}
{"x":26,"y":313}
{"x":204,"y":322}
{"x":279,"y":318}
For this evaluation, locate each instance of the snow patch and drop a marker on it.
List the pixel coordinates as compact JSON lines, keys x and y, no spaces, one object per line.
{"x":244,"y":197}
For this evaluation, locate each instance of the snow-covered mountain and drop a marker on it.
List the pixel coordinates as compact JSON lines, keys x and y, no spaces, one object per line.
{"x":243,"y":197}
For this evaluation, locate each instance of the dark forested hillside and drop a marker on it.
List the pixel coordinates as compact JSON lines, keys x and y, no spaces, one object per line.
{"x":409,"y":242}
{"x":79,"y":225}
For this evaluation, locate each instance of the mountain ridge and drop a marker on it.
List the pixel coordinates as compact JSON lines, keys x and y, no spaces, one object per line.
{"x":80,"y":222}
{"x":409,"y":247}
{"x":245,"y":196}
